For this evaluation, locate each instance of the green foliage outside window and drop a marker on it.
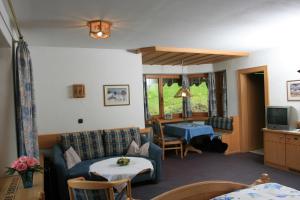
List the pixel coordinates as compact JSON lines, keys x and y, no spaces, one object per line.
{"x":172,"y":105}
{"x":199,"y":99}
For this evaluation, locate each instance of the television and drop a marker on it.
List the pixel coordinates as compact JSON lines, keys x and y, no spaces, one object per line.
{"x":280,"y":117}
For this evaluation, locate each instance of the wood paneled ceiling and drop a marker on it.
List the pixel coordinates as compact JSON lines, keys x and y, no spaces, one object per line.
{"x":157,"y":55}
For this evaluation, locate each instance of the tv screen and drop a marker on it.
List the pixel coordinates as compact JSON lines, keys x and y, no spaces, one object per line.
{"x":277,"y":116}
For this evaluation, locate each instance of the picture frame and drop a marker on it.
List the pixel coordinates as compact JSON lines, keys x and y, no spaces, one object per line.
{"x":293,"y":90}
{"x":116,"y":95}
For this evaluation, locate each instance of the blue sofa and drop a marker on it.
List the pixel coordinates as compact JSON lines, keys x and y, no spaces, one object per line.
{"x":93,"y":146}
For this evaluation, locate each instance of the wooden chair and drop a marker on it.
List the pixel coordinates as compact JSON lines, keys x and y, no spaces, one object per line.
{"x":80,"y":184}
{"x":167,"y":142}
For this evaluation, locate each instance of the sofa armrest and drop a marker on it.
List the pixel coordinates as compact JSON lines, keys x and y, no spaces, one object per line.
{"x":155,"y":153}
{"x":61,"y":171}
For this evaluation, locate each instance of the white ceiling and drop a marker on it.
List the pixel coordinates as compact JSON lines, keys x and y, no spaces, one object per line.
{"x":211,"y":24}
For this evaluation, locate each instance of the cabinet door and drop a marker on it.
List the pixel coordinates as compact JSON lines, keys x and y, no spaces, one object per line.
{"x":293,"y":152}
{"x":274,"y":147}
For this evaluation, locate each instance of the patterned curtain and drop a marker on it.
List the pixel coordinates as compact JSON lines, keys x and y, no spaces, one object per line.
{"x":212,"y":101}
{"x":186,"y":101}
{"x":27,"y":140}
{"x":146,"y":109}
{"x":224,"y":88}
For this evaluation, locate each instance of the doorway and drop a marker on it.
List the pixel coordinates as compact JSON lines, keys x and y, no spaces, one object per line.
{"x":253,"y":98}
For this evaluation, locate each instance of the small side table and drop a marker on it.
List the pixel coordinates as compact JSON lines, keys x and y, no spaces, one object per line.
{"x":11,"y":188}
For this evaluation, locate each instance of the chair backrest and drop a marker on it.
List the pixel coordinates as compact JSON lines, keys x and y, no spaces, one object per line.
{"x":160,"y":128}
{"x":79,"y":188}
{"x":201,"y":190}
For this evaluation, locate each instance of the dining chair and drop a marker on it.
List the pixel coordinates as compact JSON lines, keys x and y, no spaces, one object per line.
{"x":168,"y":142}
{"x":81,"y":189}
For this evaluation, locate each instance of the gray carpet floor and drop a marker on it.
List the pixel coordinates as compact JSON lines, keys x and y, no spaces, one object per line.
{"x":244,"y":168}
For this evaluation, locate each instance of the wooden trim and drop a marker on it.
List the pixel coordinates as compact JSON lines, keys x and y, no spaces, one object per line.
{"x":48,"y":140}
{"x":174,"y":120}
{"x":242,"y":87}
{"x":192,"y":50}
{"x":157,"y":55}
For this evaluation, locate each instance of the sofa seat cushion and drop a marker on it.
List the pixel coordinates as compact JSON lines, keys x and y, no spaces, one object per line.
{"x":88,"y":144}
{"x":117,"y":141}
{"x":82,"y":169}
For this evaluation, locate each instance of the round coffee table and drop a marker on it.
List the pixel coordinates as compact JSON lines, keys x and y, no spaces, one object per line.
{"x":110,"y":170}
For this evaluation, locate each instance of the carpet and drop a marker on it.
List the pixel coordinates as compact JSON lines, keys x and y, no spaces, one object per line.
{"x":243,"y":167}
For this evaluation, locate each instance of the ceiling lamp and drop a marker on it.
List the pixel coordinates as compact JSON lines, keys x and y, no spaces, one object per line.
{"x":99,"y":29}
{"x":182,"y":92}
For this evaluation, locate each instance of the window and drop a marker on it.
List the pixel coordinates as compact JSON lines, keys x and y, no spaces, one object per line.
{"x":171,"y":104}
{"x":153,"y":96}
{"x":161,"y":90}
{"x":199,"y":92}
{"x":199,"y":99}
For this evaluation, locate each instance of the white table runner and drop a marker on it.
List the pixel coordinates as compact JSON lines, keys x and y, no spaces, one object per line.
{"x":110,"y":170}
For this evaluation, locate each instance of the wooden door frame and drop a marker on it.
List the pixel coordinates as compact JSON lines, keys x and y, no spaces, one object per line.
{"x":242,"y":73}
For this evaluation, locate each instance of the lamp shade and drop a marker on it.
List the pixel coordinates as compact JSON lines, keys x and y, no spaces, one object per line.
{"x":99,"y":29}
{"x":183,"y":92}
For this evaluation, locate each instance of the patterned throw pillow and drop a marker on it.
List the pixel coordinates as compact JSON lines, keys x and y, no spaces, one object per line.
{"x":71,"y":158}
{"x":117,"y":141}
{"x":135,"y":150}
{"x":88,"y":144}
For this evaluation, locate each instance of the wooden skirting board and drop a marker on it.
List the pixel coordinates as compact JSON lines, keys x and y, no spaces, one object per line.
{"x":48,"y":140}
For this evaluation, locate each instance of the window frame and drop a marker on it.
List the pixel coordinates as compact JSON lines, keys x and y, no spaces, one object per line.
{"x":160,"y":78}
{"x":204,"y":75}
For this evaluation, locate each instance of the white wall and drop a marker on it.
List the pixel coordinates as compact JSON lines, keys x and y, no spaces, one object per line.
{"x":56,"y":69}
{"x":158,"y":69}
{"x":8,"y":148}
{"x":282,"y":63}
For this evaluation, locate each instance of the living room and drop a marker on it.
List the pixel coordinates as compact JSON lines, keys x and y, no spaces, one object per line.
{"x":63,"y":54}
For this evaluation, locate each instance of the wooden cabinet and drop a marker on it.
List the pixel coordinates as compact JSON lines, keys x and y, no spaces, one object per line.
{"x":293,"y":152}
{"x":282,"y":149}
{"x":274,"y":148}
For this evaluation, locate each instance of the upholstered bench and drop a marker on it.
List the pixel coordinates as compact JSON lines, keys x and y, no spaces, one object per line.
{"x":93,"y":146}
{"x":227,"y":129}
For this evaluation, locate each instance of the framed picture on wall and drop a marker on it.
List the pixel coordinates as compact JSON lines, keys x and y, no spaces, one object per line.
{"x":293,"y":90}
{"x":116,"y":95}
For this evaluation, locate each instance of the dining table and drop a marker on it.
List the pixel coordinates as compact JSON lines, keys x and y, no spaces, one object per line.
{"x":188,"y":130}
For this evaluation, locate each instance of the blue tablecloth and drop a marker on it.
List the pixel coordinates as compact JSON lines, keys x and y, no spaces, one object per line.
{"x":188,"y":130}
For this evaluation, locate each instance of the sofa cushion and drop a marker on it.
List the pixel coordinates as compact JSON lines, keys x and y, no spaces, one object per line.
{"x":220,"y":122}
{"x":117,"y":141}
{"x":82,"y":168}
{"x":87,"y":144}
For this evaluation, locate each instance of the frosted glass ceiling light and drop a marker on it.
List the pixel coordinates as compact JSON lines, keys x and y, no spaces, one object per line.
{"x":99,"y":29}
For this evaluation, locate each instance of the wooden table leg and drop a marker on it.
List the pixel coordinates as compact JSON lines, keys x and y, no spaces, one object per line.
{"x":189,"y":147}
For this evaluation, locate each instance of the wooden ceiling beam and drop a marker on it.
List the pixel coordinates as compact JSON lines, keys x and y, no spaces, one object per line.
{"x":187,"y":62}
{"x":211,"y":58}
{"x":161,"y":58}
{"x":175,"y":59}
{"x":151,"y":56}
{"x":219,"y":59}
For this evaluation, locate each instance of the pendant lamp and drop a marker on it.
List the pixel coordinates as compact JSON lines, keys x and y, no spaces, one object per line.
{"x":182,"y":92}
